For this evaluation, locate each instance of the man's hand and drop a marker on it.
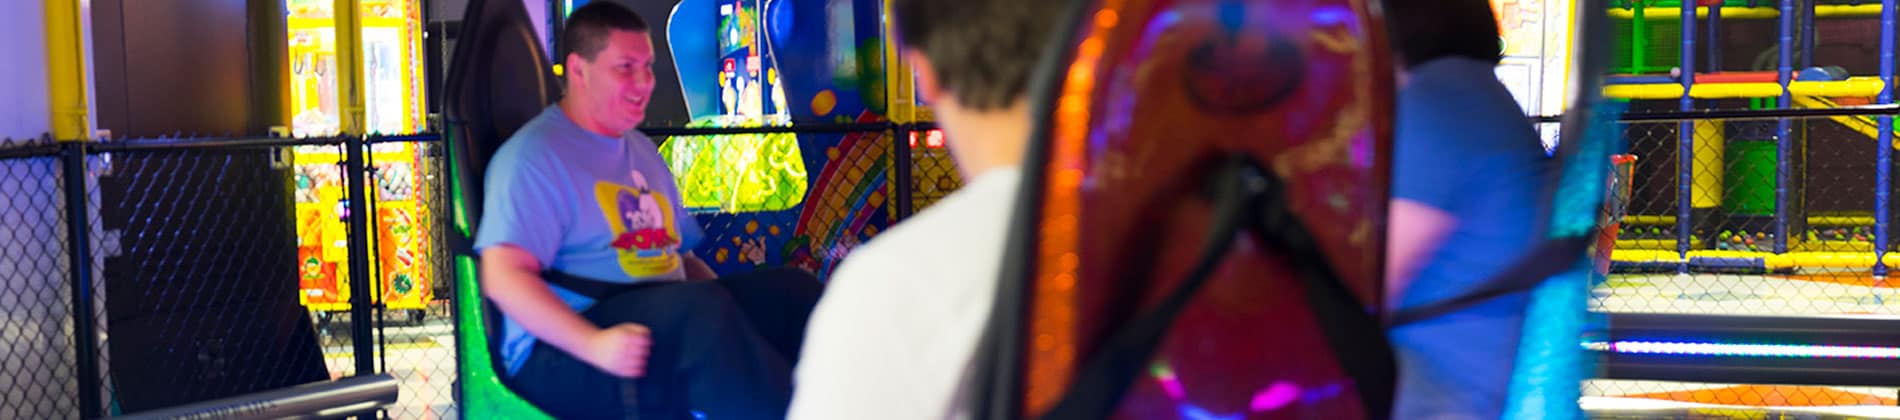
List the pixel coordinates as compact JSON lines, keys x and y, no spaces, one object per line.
{"x":512,"y":278}
{"x":620,"y":350}
{"x":696,"y":269}
{"x":754,"y":251}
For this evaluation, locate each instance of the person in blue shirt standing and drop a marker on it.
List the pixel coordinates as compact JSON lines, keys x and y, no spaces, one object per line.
{"x":1468,"y":171}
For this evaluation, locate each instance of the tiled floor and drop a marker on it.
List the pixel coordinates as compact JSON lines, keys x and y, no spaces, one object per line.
{"x":1836,"y":293}
{"x":1641,"y":408}
{"x":1804,"y":294}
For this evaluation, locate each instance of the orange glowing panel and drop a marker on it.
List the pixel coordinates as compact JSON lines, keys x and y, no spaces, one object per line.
{"x":1053,"y":323}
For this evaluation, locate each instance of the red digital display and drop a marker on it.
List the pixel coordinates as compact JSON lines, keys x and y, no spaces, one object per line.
{"x":933,"y":139}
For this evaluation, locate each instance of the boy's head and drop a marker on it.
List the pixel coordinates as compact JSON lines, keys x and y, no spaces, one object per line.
{"x":609,"y":66}
{"x":1424,"y":30}
{"x":973,"y":59}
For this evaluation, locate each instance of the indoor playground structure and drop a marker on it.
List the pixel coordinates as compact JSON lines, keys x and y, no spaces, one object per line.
{"x":1752,"y":251}
{"x":1756,"y":194}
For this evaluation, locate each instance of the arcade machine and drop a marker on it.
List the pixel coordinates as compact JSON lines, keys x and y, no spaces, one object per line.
{"x":391,"y":46}
{"x":801,"y":200}
{"x":736,"y":173}
{"x":1535,"y":36}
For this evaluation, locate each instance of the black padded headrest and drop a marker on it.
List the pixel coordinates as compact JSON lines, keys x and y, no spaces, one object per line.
{"x":499,"y":78}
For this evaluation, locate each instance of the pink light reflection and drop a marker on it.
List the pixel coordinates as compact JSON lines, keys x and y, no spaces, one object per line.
{"x":1280,"y":394}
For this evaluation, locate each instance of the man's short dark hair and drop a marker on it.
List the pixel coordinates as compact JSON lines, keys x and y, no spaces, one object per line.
{"x":586,"y":30}
{"x":1424,"y":30}
{"x":982,"y":50}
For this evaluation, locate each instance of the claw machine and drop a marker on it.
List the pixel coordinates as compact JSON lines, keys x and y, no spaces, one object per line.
{"x":392,"y":95}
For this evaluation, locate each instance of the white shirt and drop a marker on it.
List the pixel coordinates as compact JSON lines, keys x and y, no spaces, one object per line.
{"x":896,"y":332}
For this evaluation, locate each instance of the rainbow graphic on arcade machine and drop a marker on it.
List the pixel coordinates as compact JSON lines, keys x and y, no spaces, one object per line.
{"x":801,"y":200}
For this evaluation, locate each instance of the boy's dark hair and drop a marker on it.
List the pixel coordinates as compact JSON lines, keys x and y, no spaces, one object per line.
{"x":1424,"y":30}
{"x":586,"y":29}
{"x":982,"y":50}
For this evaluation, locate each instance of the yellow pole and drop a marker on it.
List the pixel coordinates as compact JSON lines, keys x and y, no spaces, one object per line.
{"x":349,"y":67}
{"x":1569,"y":51}
{"x":1825,"y":10}
{"x":897,"y":86}
{"x":1708,"y":169}
{"x":415,"y":106}
{"x":1846,"y":10}
{"x":66,"y":70}
{"x":1672,"y":13}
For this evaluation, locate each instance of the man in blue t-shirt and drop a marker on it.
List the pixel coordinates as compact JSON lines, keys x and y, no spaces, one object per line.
{"x":1468,"y":172}
{"x":579,"y":199}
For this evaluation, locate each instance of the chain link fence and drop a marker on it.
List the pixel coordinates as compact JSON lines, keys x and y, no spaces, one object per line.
{"x":1755,"y":216}
{"x":199,"y":263}
{"x":223,"y":266}
{"x":415,"y":276}
{"x":1707,"y":202}
{"x":319,"y":214}
{"x":36,"y":345}
{"x":410,"y":327}
{"x":216,"y":267}
{"x":934,"y":170}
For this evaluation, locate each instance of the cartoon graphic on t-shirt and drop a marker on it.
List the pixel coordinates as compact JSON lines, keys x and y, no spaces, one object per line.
{"x":645,"y":236}
{"x":645,"y":232}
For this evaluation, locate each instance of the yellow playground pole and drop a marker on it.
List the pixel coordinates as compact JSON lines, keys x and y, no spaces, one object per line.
{"x":900,"y":98}
{"x":1824,"y":10}
{"x":349,"y":67}
{"x":1853,"y":86}
{"x":1707,"y":190}
{"x":66,"y":70}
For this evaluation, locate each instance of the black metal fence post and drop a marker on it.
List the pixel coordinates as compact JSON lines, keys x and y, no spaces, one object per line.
{"x":361,"y":295}
{"x":901,"y":163}
{"x":79,"y":263}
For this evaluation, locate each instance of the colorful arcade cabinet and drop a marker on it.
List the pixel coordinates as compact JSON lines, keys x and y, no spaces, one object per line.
{"x":388,"y":37}
{"x":805,"y":199}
